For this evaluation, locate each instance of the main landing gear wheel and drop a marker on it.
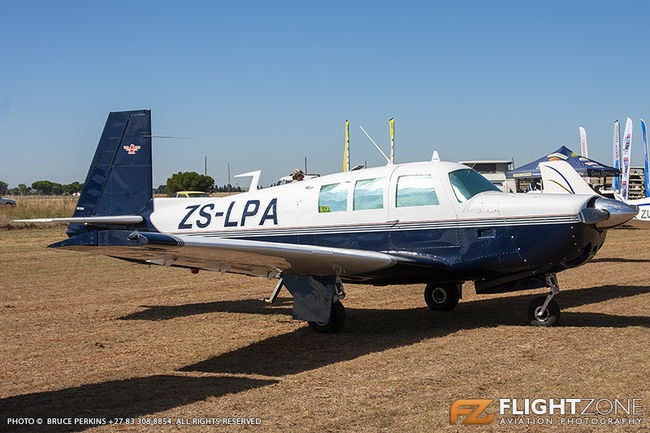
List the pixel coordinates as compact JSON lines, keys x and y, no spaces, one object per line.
{"x":537,"y":316}
{"x":442,"y":297}
{"x":337,"y":320}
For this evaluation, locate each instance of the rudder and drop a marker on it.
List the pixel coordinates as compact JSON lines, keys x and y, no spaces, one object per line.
{"x":119,"y":181}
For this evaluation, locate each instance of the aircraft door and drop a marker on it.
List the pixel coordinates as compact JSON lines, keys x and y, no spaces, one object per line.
{"x":423,"y":218}
{"x":487,"y":242}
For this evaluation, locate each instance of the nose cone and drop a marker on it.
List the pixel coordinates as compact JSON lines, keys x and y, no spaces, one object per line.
{"x":617,"y":211}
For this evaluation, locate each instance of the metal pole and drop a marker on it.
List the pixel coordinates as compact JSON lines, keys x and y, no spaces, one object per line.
{"x":391,"y":125}
{"x":346,"y":154}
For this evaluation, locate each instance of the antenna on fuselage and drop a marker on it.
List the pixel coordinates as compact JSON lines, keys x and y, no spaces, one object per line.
{"x":389,"y":162}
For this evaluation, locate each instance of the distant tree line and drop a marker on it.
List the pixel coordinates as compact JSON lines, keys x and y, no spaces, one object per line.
{"x":192,"y":181}
{"x":181,"y":181}
{"x":41,"y":187}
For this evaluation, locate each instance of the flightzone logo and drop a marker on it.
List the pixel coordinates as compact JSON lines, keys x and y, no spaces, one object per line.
{"x":471,"y":410}
{"x":541,"y":411}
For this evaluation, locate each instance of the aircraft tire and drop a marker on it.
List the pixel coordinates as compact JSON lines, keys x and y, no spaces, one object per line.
{"x":337,"y":320}
{"x":550,"y":317}
{"x":441,"y":297}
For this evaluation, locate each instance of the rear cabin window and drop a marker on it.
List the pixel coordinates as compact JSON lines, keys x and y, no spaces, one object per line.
{"x":415,"y":190}
{"x":333,"y":198}
{"x":368,"y":194}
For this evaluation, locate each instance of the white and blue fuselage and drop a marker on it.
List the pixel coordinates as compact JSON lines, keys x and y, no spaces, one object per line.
{"x":437,"y":213}
{"x":438,"y":223}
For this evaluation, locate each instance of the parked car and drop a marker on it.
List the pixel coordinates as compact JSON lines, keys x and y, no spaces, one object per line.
{"x":7,"y":202}
{"x":191,"y":194}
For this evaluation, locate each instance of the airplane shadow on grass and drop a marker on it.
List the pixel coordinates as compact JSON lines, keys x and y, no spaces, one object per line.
{"x":369,"y":331}
{"x":250,"y":306}
{"x":130,"y":398}
{"x":618,"y":260}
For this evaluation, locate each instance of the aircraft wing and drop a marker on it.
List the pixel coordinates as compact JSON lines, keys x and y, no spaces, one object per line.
{"x":258,"y":258}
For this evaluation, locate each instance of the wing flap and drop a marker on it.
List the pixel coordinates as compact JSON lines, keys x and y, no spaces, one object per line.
{"x":291,"y":258}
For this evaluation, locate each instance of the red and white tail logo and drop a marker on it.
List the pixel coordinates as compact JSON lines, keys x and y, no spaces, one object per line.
{"x":131,"y":149}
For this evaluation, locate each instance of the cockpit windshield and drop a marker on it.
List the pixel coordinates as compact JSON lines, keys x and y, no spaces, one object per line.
{"x":466,"y":183}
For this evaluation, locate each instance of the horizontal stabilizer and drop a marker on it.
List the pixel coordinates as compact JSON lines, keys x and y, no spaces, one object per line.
{"x":117,"y":219}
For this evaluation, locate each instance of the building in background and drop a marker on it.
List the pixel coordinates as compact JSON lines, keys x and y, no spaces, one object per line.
{"x":495,"y":171}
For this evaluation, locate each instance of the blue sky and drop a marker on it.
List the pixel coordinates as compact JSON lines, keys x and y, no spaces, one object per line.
{"x":262,"y":85}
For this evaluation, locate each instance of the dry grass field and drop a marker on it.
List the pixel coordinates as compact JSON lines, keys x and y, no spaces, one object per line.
{"x":93,"y":337}
{"x":36,"y":207}
{"x":46,"y":207}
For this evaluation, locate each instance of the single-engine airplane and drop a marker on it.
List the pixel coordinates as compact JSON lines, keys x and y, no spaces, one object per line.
{"x":437,"y":223}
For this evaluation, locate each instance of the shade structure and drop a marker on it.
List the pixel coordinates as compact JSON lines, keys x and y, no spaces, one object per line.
{"x":584,"y":166}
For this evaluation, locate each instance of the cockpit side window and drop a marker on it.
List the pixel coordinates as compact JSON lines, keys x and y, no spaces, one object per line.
{"x":333,"y":197}
{"x":369,"y":194}
{"x":466,"y":183}
{"x":415,"y":190}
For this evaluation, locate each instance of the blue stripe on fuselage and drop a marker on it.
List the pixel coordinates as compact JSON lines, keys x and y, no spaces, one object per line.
{"x":472,"y":252}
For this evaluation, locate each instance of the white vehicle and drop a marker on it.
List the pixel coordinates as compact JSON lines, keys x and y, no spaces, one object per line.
{"x":644,"y":208}
{"x":436,"y":223}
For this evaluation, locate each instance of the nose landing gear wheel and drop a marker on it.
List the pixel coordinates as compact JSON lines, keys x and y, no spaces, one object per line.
{"x":441,"y":297}
{"x":337,"y":320}
{"x":547,"y":317}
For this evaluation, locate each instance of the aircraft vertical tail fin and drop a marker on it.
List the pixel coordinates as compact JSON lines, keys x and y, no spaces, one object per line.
{"x":119,"y":181}
{"x":558,"y":177}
